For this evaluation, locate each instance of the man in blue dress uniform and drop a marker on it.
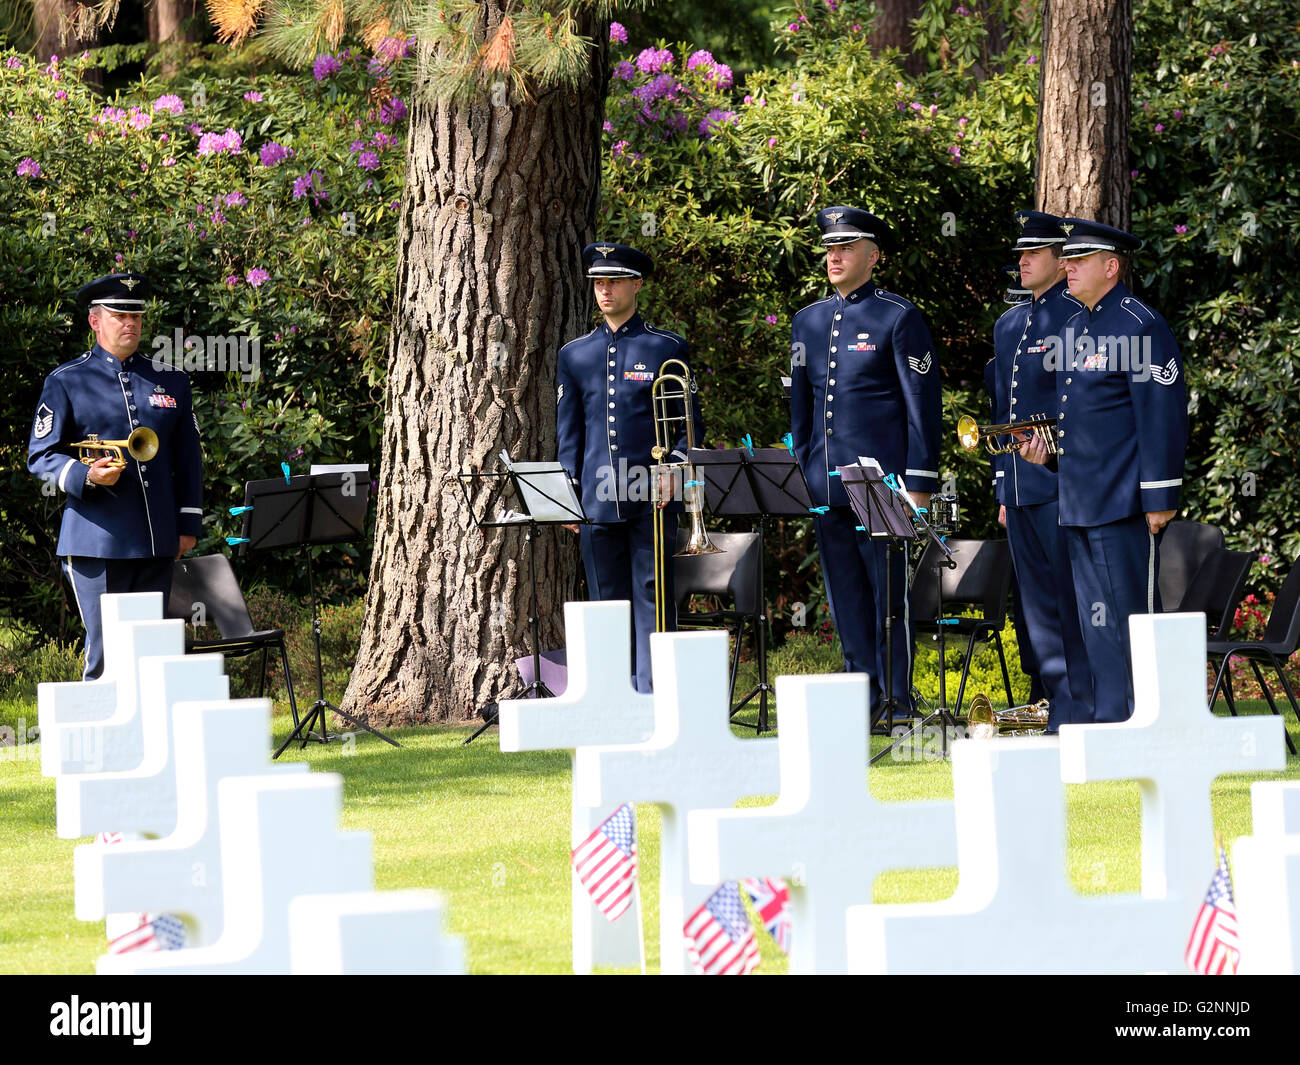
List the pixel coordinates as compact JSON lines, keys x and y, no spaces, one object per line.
{"x":1121,"y":439}
{"x":605,"y":429}
{"x":1025,"y":385}
{"x":864,"y":382}
{"x":123,"y":525}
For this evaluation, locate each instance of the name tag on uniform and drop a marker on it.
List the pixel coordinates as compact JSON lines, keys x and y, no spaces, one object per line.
{"x":862,"y":347}
{"x":162,"y":401}
{"x":638,"y":375}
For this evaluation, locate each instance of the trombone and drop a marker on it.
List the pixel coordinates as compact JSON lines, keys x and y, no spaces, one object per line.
{"x":670,"y":403}
{"x":971,"y":434}
{"x":141,"y":445}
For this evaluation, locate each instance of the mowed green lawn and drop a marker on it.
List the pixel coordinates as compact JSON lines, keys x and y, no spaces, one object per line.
{"x":491,"y":832}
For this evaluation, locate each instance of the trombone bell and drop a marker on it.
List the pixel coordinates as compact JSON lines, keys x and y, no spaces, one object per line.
{"x":141,"y":445}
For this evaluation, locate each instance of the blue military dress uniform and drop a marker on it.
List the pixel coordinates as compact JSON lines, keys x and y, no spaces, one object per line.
{"x":864,"y":382}
{"x":1024,"y":340}
{"x":605,"y":431}
{"x":123,"y":537}
{"x":1122,"y":440}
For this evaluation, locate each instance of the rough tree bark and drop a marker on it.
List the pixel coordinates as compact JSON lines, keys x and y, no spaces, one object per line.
{"x":893,"y":29}
{"x":500,"y":199}
{"x":47,"y":25}
{"x":166,"y":18}
{"x":1083,"y":110}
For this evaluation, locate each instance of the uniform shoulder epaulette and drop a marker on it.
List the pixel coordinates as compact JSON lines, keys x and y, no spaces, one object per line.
{"x":1139,"y":310}
{"x":901,"y":302}
{"x":78,"y":361}
{"x":681,"y":340}
{"x":576,"y":340}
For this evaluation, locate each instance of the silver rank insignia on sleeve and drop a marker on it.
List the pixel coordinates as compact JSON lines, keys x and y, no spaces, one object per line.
{"x":921,"y":365}
{"x":1163,"y":375}
{"x":559,"y":393}
{"x":44,"y":422}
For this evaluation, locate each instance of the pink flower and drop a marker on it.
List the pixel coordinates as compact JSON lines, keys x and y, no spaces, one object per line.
{"x":232,"y":281}
{"x":29,"y":168}
{"x":253,"y":97}
{"x":257,"y":277}
{"x":770,"y":319}
{"x":170,"y":103}
{"x":617,"y":33}
{"x":1160,"y":127}
{"x":169,"y":161}
{"x":793,"y":27}
{"x":1180,"y":229}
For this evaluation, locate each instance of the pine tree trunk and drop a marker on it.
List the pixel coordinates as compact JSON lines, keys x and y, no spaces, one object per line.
{"x":499,"y":202}
{"x":47,"y":24}
{"x":893,"y":29}
{"x":165,"y":19}
{"x":1083,"y":110}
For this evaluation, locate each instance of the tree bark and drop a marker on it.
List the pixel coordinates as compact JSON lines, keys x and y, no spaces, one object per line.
{"x":893,"y":29}
{"x":166,"y":19}
{"x":1083,"y":110}
{"x":47,"y":24}
{"x":499,"y":202}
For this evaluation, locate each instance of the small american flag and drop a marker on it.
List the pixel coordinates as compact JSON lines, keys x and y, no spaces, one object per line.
{"x":606,"y":863}
{"x":159,"y":931}
{"x":1212,"y":948}
{"x":719,"y":938}
{"x":772,"y":901}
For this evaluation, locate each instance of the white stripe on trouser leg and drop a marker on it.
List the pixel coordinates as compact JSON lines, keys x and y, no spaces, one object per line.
{"x":72,"y":580}
{"x":1151,"y":571}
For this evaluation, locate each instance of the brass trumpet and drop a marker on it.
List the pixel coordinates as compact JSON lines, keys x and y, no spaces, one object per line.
{"x":985,"y":723}
{"x":970,"y":434}
{"x":670,"y":401}
{"x":141,"y":445}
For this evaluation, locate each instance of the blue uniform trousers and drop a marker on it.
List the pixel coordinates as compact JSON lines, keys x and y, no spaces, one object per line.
{"x":854,"y":569}
{"x":1025,"y":648}
{"x":92,"y":577}
{"x":1046,"y":603}
{"x":1116,"y":574}
{"x":619,"y":560}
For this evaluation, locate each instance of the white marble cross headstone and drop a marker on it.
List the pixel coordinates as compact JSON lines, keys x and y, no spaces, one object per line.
{"x":279,"y":840}
{"x":1174,"y":747}
{"x":1014,"y":910}
{"x":142,"y":799}
{"x":1266,"y":881}
{"x":180,"y":873}
{"x":99,"y":726}
{"x":598,"y":707}
{"x":825,"y":835}
{"x":691,"y":762}
{"x":372,"y":933}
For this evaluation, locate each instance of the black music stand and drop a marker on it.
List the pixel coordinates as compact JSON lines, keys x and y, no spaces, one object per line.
{"x":760,"y":483}
{"x":302,"y":512}
{"x":544,"y":491}
{"x":887,"y":512}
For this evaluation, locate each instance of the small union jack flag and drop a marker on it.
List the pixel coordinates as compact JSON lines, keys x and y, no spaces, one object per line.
{"x":771,"y":899}
{"x":1212,"y":948}
{"x":606,"y":863}
{"x":719,"y":937}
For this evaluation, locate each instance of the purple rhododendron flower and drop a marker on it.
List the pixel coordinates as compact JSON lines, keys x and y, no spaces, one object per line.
{"x":253,"y":97}
{"x":653,"y":60}
{"x":382,"y":140}
{"x":700,"y":59}
{"x":325,"y":66}
{"x":770,"y":319}
{"x":393,"y":111}
{"x":257,"y":277}
{"x":714,"y":119}
{"x":140,"y":119}
{"x":665,"y":85}
{"x":29,"y":168}
{"x":169,"y":102}
{"x":617,"y":33}
{"x":235,"y":199}
{"x":13,"y":62}
{"x":625,"y":70}
{"x":273,"y":153}
{"x":368,"y":161}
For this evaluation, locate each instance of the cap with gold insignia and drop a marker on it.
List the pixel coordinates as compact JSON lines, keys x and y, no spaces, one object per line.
{"x":1015,"y":292}
{"x":1037,"y":230}
{"x":1083,"y":237}
{"x":124,"y":293}
{"x":616,"y":260}
{"x":844,"y":225}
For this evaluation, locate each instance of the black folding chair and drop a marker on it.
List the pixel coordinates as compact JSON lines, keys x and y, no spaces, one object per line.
{"x":734,"y":574}
{"x":208,"y":583}
{"x":1281,"y":638}
{"x":982,"y":579}
{"x":1217,"y":588}
{"x":1184,"y":547}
